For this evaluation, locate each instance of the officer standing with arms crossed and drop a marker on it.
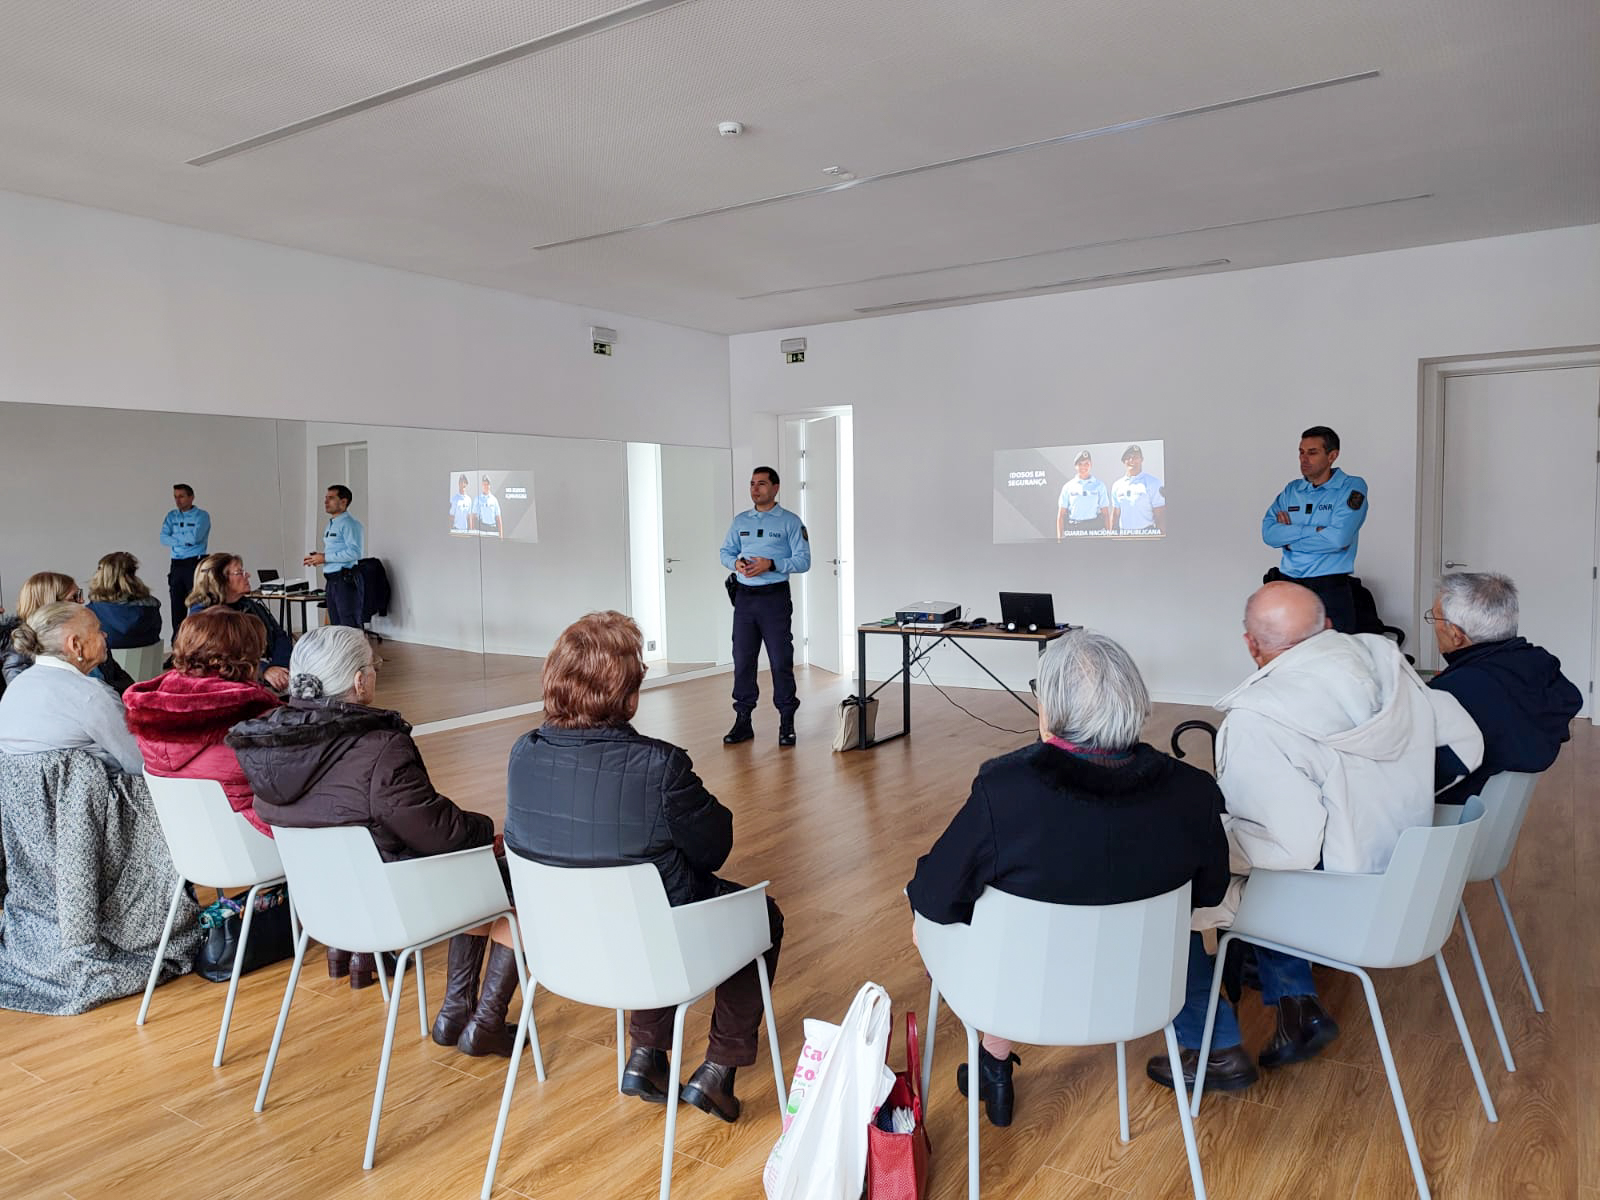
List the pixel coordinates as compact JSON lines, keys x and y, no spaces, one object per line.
{"x":1316,"y":520}
{"x":342,"y":543}
{"x":765,"y":545}
{"x":186,"y":532}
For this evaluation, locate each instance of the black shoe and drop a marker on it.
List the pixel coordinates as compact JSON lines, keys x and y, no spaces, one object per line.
{"x":645,"y":1076}
{"x":1304,"y":1028}
{"x":487,"y":1032}
{"x":741,"y":732}
{"x":710,"y":1089}
{"x":1227,"y":1070}
{"x":460,"y":989}
{"x":786,"y":731}
{"x":994,"y":1085}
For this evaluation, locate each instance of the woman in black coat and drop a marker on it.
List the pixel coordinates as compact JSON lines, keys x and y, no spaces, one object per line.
{"x":587,"y":789}
{"x":1088,"y":815}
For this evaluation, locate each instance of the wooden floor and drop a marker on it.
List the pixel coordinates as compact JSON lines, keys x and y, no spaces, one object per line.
{"x":94,"y":1107}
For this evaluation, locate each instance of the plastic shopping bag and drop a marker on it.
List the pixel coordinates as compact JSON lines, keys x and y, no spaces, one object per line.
{"x":822,"y":1153}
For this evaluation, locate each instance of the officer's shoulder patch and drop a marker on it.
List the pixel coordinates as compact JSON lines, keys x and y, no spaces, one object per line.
{"x":804,"y":535}
{"x":1357,"y":499}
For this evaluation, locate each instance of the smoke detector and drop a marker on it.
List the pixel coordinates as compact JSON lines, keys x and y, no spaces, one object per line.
{"x":730,"y":128}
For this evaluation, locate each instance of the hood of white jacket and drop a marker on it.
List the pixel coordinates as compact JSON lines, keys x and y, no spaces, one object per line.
{"x":1346,"y":691}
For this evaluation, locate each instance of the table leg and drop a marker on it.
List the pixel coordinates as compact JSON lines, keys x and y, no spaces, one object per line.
{"x":861,"y":684}
{"x":905,"y":679}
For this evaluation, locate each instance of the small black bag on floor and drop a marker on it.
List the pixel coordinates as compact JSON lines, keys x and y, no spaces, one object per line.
{"x":271,"y":939}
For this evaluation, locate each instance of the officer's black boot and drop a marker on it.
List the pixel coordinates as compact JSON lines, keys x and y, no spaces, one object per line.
{"x":786,"y":729}
{"x":742,"y":731}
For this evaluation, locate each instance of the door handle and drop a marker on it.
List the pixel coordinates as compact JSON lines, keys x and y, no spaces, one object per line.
{"x":837,"y":561}
{"x":1449,"y":564}
{"x":670,"y":561}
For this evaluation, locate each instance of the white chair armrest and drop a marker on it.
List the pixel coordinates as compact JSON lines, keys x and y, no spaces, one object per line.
{"x":720,"y":935}
{"x":445,"y":891}
{"x":1325,"y":912}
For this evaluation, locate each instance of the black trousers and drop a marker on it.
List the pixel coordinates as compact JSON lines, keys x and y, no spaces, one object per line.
{"x":761,"y":617}
{"x":344,"y":598}
{"x":1337,"y":596}
{"x":736,"y":1016}
{"x":180,"y":582}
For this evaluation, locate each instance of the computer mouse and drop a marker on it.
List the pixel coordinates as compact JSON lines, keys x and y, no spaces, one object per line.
{"x":978,"y":623}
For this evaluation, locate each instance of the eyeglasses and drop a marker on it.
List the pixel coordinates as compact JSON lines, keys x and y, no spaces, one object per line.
{"x":1433,"y":619}
{"x":237,"y":574}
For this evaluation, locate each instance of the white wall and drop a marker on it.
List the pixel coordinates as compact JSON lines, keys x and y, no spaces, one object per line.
{"x":1227,"y":368}
{"x":98,"y":308}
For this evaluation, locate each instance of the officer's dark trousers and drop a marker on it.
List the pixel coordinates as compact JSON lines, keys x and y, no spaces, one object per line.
{"x":344,"y":598}
{"x":180,"y":582}
{"x":761,"y":618}
{"x":1337,"y":596}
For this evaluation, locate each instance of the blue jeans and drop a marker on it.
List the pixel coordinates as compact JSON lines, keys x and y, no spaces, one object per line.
{"x":1281,"y":975}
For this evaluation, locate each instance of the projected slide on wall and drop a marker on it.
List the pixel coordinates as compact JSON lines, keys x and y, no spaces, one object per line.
{"x":1080,"y":492}
{"x":492,"y":504}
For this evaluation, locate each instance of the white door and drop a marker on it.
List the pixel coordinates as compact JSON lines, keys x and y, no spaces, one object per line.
{"x":820,"y":511}
{"x":1519,"y":498}
{"x":696,"y":486}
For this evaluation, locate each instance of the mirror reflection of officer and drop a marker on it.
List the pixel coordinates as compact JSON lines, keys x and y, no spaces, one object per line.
{"x":765,"y":545}
{"x":1317,"y":520}
{"x":1084,"y":504}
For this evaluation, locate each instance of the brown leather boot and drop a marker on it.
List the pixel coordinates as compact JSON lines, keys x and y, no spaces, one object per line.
{"x":1229,"y":1070}
{"x":338,"y":963}
{"x":460,"y":989}
{"x":364,"y":969}
{"x":645,"y":1076}
{"x":710,"y":1089}
{"x":487,"y":1031}
{"x":1304,"y":1029}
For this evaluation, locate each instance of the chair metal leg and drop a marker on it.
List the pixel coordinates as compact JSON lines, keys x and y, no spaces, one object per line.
{"x":383,"y":1061}
{"x":1406,"y":1131}
{"x":674,"y":1079}
{"x":622,"y":1064}
{"x":283,"y":1017}
{"x":1466,"y":1037}
{"x":1211,"y":1020}
{"x":1488,"y":992}
{"x":772,"y":1033}
{"x":238,"y":969}
{"x":1122,"y":1088}
{"x":529,"y":987}
{"x":973,"y":1180}
{"x":383,"y":978}
{"x":422,"y":996}
{"x":1516,"y":940}
{"x":511,"y":1085}
{"x":1174,"y":1057}
{"x":928,"y":1040}
{"x":161,"y":952}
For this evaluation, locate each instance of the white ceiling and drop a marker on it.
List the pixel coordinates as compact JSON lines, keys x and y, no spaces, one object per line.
{"x":1488,"y":109}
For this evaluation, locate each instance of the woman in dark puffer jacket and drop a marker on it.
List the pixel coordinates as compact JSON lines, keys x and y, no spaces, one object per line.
{"x":180,"y":718}
{"x":586,"y":789}
{"x":329,"y":758}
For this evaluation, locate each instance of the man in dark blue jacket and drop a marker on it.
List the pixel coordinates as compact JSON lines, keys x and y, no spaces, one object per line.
{"x":1513,"y":689}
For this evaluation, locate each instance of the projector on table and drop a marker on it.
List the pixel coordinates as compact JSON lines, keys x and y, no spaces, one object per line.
{"x":928,"y":612}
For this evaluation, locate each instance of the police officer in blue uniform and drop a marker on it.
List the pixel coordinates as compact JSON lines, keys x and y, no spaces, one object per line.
{"x":186,"y":531}
{"x":1316,"y":521}
{"x":765,"y":545}
{"x":343,"y":543}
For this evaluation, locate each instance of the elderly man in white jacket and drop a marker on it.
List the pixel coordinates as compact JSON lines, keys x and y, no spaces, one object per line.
{"x":1325,"y":758}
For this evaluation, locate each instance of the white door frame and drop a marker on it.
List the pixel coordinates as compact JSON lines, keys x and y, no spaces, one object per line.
{"x":789,"y":467}
{"x":1433,"y":374}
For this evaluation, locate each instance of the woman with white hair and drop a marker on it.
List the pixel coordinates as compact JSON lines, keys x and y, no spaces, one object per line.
{"x":1088,"y":815}
{"x":57,"y":704}
{"x":329,"y":757}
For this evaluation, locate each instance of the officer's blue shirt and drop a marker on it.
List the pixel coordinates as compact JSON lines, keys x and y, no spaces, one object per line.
{"x":460,"y":509}
{"x":186,"y":533}
{"x":1083,"y":498}
{"x":1339,"y":506}
{"x":488,"y":510}
{"x":777,"y":534}
{"x":1137,"y":497}
{"x":341,"y":544}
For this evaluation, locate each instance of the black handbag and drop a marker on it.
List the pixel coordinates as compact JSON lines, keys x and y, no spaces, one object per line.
{"x":271,"y":939}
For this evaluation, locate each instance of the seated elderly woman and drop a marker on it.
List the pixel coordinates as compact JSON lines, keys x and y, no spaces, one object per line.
{"x":587,"y":789}
{"x":1088,"y":815}
{"x":222,"y":579}
{"x":181,"y":717}
{"x":129,"y":614}
{"x":57,"y":704}
{"x":329,"y":757}
{"x":49,"y":587}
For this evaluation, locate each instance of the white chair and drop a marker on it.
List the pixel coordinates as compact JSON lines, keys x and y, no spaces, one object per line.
{"x":347,"y":896}
{"x":141,"y":662}
{"x":1505,"y":803}
{"x":606,"y":936}
{"x":1356,"y":922}
{"x":1062,"y":975}
{"x":215,"y":847}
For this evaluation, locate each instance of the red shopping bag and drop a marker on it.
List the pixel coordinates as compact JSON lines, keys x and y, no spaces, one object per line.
{"x":897,"y":1163}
